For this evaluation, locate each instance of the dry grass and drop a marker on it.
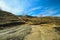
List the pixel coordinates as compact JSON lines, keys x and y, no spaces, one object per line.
{"x":40,"y":20}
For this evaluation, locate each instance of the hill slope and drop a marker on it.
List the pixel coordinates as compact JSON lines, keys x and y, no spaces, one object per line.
{"x":43,"y":28}
{"x":8,"y":19}
{"x":40,"y":20}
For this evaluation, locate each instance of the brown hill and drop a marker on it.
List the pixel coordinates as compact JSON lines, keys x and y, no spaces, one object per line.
{"x":40,"y":20}
{"x":47,"y":31}
{"x":7,"y":18}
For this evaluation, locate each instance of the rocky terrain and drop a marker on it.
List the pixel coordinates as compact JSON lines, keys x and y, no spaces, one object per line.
{"x":14,"y":27}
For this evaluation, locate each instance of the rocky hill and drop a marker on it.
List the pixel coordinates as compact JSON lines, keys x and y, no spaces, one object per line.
{"x":8,"y":19}
{"x":40,"y":20}
{"x":32,"y":28}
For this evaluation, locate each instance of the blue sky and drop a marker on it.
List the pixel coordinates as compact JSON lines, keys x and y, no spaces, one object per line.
{"x":32,"y":7}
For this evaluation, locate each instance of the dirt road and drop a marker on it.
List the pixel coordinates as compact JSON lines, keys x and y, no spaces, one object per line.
{"x":30,"y":32}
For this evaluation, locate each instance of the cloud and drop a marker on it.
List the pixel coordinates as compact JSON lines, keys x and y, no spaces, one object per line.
{"x":28,"y":6}
{"x":34,"y":9}
{"x":13,"y":8}
{"x":48,"y":12}
{"x":3,"y":5}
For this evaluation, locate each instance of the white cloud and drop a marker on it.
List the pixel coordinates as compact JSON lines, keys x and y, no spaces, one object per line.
{"x":3,"y":5}
{"x":31,"y":10}
{"x":13,"y":8}
{"x":34,"y":9}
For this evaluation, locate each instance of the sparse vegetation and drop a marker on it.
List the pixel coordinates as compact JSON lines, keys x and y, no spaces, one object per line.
{"x":40,"y":28}
{"x":8,"y":19}
{"x":41,"y":20}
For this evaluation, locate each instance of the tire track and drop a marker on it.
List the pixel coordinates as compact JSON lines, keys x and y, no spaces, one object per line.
{"x":21,"y":28}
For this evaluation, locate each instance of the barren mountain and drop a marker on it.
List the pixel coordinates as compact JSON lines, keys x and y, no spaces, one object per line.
{"x":32,"y":28}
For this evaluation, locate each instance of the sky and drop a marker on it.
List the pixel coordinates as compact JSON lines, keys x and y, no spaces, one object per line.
{"x":31,"y":7}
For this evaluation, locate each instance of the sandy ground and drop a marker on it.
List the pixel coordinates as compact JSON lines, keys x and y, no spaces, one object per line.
{"x":30,"y":32}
